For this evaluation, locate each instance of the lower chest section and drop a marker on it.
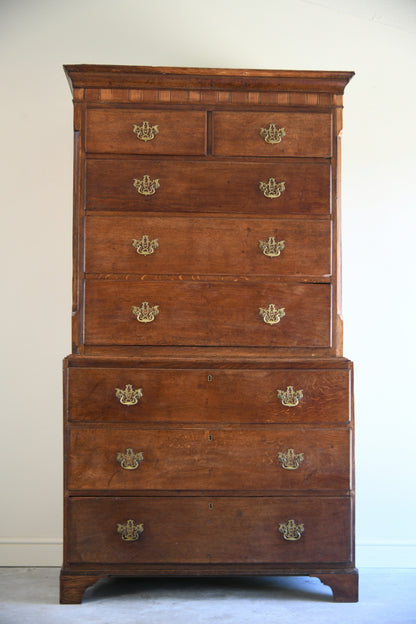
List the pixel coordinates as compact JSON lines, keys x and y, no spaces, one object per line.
{"x":208,"y":464}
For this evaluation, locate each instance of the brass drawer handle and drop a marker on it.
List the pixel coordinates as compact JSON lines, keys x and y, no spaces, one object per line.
{"x":146,"y":186}
{"x":290,"y":460}
{"x":290,"y":397}
{"x":272,"y":134}
{"x":145,"y":132}
{"x":145,"y":246}
{"x":271,"y":247}
{"x":129,"y":460}
{"x":129,"y":396}
{"x":272,"y":189}
{"x":271,"y":315}
{"x":291,"y":531}
{"x":145,"y":313}
{"x":130,"y":532}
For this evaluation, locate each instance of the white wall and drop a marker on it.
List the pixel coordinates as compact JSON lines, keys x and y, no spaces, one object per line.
{"x":376,"y":38}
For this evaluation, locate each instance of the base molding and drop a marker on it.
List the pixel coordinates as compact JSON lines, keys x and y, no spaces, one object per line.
{"x":343,"y":583}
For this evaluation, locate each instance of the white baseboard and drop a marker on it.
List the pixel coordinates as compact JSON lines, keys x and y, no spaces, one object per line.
{"x":386,"y":555}
{"x":31,"y":551}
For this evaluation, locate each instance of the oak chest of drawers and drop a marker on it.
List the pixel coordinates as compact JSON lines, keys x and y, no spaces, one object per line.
{"x":208,"y":408}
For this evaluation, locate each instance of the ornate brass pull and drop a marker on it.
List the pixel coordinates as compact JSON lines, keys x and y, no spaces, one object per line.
{"x":291,"y":531}
{"x":290,"y":460}
{"x":290,"y":397}
{"x":271,"y":315}
{"x":129,"y":460}
{"x":145,"y":132}
{"x":145,"y":313}
{"x":129,"y":396}
{"x":130,"y":532}
{"x":271,"y":188}
{"x":271,"y":247}
{"x":272,"y":134}
{"x":146,"y":186}
{"x":145,"y":246}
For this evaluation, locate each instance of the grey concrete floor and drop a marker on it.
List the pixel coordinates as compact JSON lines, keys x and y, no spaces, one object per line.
{"x":30,"y":596}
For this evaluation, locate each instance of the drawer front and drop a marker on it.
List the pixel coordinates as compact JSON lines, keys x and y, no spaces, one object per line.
{"x":194,"y":186}
{"x":242,"y":396}
{"x":210,"y":530}
{"x":146,"y":132}
{"x":273,"y":134}
{"x":197,"y":459}
{"x":226,"y":246}
{"x":195,"y":314}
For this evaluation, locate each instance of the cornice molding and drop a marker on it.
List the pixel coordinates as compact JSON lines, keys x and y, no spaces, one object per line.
{"x":133,"y":77}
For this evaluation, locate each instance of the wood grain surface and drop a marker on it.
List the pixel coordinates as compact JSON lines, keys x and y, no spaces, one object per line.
{"x":210,"y":530}
{"x":306,"y":134}
{"x":204,"y":459}
{"x":208,"y":186}
{"x":192,"y":313}
{"x":179,"y":132}
{"x":204,"y":245}
{"x":206,"y":395}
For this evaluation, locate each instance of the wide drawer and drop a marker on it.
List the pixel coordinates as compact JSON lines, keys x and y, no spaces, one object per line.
{"x":208,"y":395}
{"x":226,"y":246}
{"x":195,"y":186}
{"x":209,"y":530}
{"x":190,"y":313}
{"x":272,"y":134}
{"x":145,"y":131}
{"x":198,"y":459}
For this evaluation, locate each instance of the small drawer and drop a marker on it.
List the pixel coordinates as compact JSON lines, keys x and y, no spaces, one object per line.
{"x":198,"y":459}
{"x":153,"y":245}
{"x":151,"y":185}
{"x":209,"y":530}
{"x":209,"y":313}
{"x":273,"y":134}
{"x":135,"y":131}
{"x":161,"y":395}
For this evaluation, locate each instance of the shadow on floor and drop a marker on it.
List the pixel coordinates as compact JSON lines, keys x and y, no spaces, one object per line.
{"x":201,"y":588}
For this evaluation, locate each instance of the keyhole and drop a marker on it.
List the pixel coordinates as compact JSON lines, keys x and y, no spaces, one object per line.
{"x":209,"y":377}
{"x":210,"y":506}
{"x":210,"y":437}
